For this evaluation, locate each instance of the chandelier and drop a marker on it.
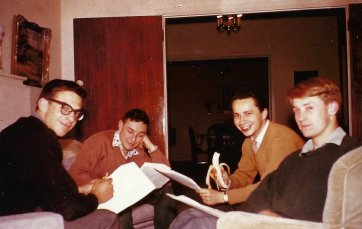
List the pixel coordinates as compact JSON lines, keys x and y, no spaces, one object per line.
{"x":231,"y":24}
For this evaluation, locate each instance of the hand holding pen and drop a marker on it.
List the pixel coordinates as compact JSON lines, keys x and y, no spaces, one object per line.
{"x":103,"y":189}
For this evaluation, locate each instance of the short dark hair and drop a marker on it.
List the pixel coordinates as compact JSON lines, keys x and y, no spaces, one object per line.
{"x":57,"y":85}
{"x":259,"y":103}
{"x":137,"y":115}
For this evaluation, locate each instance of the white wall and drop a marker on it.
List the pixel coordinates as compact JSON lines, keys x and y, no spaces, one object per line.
{"x":46,"y":13}
{"x":17,"y":99}
{"x":12,"y":89}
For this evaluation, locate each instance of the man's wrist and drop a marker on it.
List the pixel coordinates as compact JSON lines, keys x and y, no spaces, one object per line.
{"x":152,"y":149}
{"x":225,"y":198}
{"x":227,"y":188}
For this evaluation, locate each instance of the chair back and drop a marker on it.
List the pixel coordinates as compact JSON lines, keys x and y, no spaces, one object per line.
{"x":192,"y":139}
{"x":219,"y":136}
{"x":343,"y":208}
{"x":196,"y":150}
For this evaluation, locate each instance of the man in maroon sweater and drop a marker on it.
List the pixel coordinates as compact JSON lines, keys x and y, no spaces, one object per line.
{"x":105,"y":151}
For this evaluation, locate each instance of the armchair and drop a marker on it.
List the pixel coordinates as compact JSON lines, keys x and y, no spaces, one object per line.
{"x":343,"y":207}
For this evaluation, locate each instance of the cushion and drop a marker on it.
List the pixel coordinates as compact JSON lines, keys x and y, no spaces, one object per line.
{"x":34,"y":220}
{"x":142,"y":216}
{"x":70,"y":149}
{"x":343,"y":206}
{"x":245,"y":220}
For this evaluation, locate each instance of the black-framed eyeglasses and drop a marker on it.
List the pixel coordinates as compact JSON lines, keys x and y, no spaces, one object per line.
{"x":66,"y":109}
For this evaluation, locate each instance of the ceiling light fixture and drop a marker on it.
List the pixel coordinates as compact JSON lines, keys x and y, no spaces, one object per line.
{"x":232,"y":23}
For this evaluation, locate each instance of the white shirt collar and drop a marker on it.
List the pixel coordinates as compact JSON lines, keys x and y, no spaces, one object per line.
{"x":117,"y":143}
{"x":260,"y":137}
{"x":336,"y":137}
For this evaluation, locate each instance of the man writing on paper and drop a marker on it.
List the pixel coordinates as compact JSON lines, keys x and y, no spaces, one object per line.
{"x":266,"y":145}
{"x":32,"y":177}
{"x":105,"y":151}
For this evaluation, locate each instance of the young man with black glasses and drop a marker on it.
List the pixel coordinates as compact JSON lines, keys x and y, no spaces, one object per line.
{"x":32,"y":177}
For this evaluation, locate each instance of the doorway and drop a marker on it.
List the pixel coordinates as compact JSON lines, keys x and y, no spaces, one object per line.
{"x":199,"y":93}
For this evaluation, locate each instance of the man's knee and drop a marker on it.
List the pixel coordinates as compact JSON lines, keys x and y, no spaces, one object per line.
{"x":110,"y":219}
{"x":193,"y":218}
{"x":126,"y":219}
{"x":98,"y":219}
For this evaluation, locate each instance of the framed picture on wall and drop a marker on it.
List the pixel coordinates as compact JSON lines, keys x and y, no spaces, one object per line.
{"x":30,"y":51}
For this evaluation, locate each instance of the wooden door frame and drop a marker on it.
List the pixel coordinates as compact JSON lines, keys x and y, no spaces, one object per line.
{"x":354,"y":28}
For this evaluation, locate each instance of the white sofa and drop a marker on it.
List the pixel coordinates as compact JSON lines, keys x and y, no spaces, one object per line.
{"x":343,"y":208}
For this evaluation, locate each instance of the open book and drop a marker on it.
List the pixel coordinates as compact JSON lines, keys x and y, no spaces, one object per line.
{"x":131,"y":183}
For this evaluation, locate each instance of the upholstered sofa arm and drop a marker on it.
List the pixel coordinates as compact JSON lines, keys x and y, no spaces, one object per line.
{"x":343,"y":208}
{"x":244,"y":220}
{"x":70,"y":151}
{"x":34,"y":220}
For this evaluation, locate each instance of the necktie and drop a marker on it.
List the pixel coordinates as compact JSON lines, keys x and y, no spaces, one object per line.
{"x":254,"y":145}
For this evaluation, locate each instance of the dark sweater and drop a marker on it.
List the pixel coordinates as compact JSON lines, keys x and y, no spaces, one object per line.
{"x":298,"y":188}
{"x":32,"y":175}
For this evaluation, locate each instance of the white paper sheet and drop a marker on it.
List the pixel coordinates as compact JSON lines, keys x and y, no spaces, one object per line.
{"x":184,"y":199}
{"x":182,"y":179}
{"x":149,"y":169}
{"x":130,"y":185}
